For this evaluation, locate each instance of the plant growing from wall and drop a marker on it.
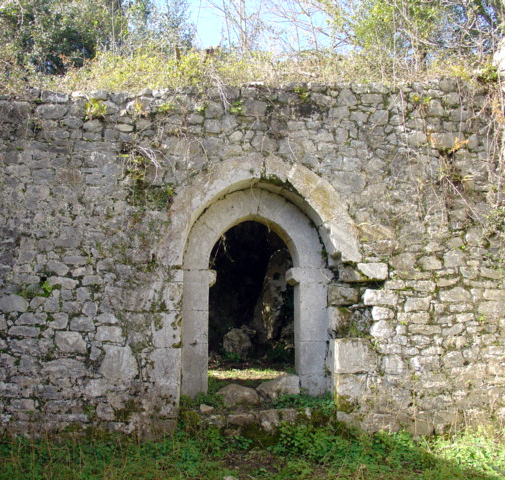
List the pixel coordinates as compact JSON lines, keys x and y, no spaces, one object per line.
{"x":94,"y":109}
{"x":140,"y":169}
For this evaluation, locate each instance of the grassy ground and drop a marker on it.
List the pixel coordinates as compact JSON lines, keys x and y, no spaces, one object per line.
{"x":324,"y":450}
{"x":300,"y":452}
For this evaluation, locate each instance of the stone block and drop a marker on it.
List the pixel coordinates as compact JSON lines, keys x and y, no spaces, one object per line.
{"x":60,"y":321}
{"x":195,"y":331}
{"x":349,"y":388}
{"x":234,"y":395}
{"x":269,"y":419}
{"x":393,"y":365}
{"x":430,"y":263}
{"x":57,"y":267}
{"x":338,"y":295}
{"x":455,"y":258}
{"x":415,"y":304}
{"x":414,"y":317}
{"x":382,"y":313}
{"x":417,"y":139}
{"x":82,"y":324}
{"x":455,"y":295}
{"x":353,"y":355}
{"x":307,"y":275}
{"x":348,"y":248}
{"x":494,"y":294}
{"x":310,"y":358}
{"x":254,"y":108}
{"x":53,"y":97}
{"x":29,"y":318}
{"x":338,"y":321}
{"x":380,"y":297}
{"x":164,"y":370}
{"x":52,"y":112}
{"x":194,"y":368}
{"x":374,"y":271}
{"x":421,"y":329}
{"x":445,"y":141}
{"x":453,"y":331}
{"x":239,"y":419}
{"x":119,"y":365}
{"x":283,"y":385}
{"x":382,"y":330}
{"x":13,"y":303}
{"x":348,"y":274}
{"x":347,"y":98}
{"x":403,"y":262}
{"x":70,"y":342}
{"x":109,"y":334}
{"x":22,"y":331}
{"x":64,"y":367}
{"x":339,"y":113}
{"x":491,"y":309}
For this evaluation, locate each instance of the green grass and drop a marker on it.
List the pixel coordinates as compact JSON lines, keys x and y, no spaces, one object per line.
{"x":303,"y":451}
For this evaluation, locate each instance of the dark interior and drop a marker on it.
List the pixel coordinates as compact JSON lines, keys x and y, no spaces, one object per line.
{"x":241,"y":259}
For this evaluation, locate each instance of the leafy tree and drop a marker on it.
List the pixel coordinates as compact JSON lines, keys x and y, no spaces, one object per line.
{"x":50,"y":35}
{"x":415,"y":32}
{"x":175,"y":26}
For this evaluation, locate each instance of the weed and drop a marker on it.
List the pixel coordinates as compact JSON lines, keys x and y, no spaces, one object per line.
{"x":231,"y":356}
{"x":323,"y":404}
{"x":95,"y":109}
{"x":236,"y":107}
{"x":166,"y":107}
{"x":47,"y":288}
{"x":303,"y":94}
{"x":200,"y":108}
{"x":496,"y":222}
{"x":488,"y":74}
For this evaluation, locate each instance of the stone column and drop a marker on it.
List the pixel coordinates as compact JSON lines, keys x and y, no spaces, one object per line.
{"x":311,"y":323}
{"x":195,"y":348}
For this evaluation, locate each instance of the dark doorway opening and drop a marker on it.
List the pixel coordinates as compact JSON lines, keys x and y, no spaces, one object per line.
{"x":250,"y":305}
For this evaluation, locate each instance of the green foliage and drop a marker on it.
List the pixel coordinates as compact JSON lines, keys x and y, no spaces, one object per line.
{"x":52,"y":35}
{"x":481,"y":450}
{"x":58,"y":37}
{"x":303,"y":94}
{"x":231,"y":356}
{"x":95,"y":109}
{"x":47,"y":288}
{"x":496,"y":222}
{"x":236,"y":107}
{"x":280,"y":352}
{"x":299,"y":451}
{"x":164,"y":108}
{"x":324,"y":404}
{"x":402,"y":36}
{"x":488,"y":74}
{"x":210,"y":399}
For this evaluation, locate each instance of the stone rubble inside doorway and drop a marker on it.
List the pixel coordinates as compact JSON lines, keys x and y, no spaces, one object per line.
{"x":246,"y":406}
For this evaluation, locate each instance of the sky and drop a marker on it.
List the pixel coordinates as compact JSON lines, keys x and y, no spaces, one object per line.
{"x":208,"y":25}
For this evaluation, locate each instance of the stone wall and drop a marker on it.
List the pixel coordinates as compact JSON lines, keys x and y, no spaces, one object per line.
{"x":100,"y":273}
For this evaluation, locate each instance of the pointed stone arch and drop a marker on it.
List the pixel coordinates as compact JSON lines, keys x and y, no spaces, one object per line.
{"x":312,"y":194}
{"x":306,"y":213}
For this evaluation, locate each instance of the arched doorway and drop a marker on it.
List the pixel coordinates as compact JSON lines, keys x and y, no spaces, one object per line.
{"x":251,"y":318}
{"x":309,"y":276}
